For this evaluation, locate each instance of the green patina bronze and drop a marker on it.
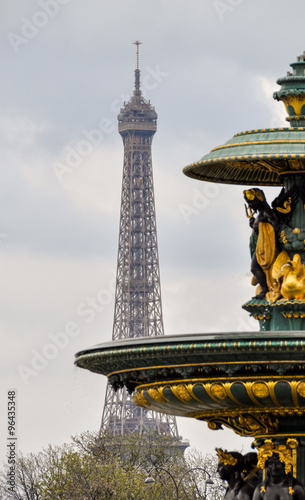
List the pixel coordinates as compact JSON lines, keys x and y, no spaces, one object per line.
{"x":199,"y":356}
{"x":292,"y":93}
{"x":255,"y":157}
{"x":281,"y":315}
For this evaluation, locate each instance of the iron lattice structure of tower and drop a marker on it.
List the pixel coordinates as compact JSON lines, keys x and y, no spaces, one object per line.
{"x":138,"y":308}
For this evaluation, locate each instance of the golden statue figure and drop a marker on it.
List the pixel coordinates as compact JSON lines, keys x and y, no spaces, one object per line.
{"x":264,"y":245}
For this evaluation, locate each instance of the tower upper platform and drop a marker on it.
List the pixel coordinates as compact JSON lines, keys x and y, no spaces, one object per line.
{"x":137,"y":115}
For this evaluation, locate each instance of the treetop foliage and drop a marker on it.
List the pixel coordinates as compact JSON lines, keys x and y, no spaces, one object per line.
{"x":107,"y":467}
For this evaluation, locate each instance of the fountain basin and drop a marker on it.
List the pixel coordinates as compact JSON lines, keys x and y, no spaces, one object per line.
{"x":250,"y":381}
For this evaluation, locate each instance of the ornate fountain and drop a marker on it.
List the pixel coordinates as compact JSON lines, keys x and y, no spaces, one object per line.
{"x":251,"y":382}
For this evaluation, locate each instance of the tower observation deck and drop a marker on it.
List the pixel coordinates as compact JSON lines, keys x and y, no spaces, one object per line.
{"x":138,"y":308}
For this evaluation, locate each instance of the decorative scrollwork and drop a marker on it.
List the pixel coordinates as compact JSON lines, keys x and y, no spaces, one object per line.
{"x":301,"y":389}
{"x":183,"y":392}
{"x":156,"y":394}
{"x":140,"y":400}
{"x":244,"y":423}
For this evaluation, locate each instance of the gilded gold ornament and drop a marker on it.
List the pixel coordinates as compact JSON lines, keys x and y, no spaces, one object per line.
{"x":286,"y":205}
{"x":181,"y":392}
{"x":140,"y":400}
{"x":281,"y":259}
{"x":266,"y":450}
{"x":225,"y":457}
{"x":218,"y":391}
{"x":292,"y":443}
{"x":251,"y":194}
{"x":156,"y":394}
{"x":296,"y":164}
{"x":293,"y":286}
{"x":249,"y":424}
{"x":260,"y":390}
{"x":246,"y":422}
{"x":295,"y":101}
{"x":301,"y":389}
{"x":283,"y":236}
{"x":229,"y":397}
{"x":249,"y":212}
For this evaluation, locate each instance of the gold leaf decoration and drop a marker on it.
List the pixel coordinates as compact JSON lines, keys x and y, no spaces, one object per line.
{"x":218,"y":391}
{"x":181,"y":392}
{"x":301,"y":389}
{"x":140,"y":400}
{"x":225,"y":457}
{"x":156,"y":394}
{"x":260,"y":390}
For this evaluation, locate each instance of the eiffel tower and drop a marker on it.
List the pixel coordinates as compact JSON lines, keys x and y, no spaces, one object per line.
{"x":138,"y":308}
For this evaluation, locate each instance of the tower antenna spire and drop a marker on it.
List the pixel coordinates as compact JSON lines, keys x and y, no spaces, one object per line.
{"x":137,"y":43}
{"x":137,"y":71}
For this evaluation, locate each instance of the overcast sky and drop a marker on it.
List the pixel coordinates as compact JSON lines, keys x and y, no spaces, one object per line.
{"x":209,"y":68}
